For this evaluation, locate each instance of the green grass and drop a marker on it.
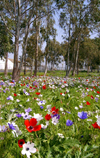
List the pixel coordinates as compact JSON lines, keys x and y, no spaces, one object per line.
{"x":80,"y":139}
{"x":59,"y":73}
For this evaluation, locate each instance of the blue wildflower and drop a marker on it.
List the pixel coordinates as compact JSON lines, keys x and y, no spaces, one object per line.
{"x":82,"y":115}
{"x":69,"y":122}
{"x":41,"y":107}
{"x":11,"y":126}
{"x":28,"y":110}
{"x":18,"y":115}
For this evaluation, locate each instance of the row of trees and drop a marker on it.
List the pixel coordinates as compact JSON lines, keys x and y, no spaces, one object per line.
{"x":31,"y":22}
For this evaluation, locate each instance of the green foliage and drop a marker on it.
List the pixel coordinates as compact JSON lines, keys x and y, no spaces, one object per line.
{"x":6,"y":43}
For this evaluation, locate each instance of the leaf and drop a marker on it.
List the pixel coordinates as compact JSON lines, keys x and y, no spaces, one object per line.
{"x":95,"y":146}
{"x":71,"y":142}
{"x":86,"y":147}
{"x":88,"y":155}
{"x":97,"y":106}
{"x":49,"y":153}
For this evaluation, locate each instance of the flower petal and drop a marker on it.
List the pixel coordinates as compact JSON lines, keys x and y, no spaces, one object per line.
{"x":26,"y":122}
{"x":37,"y":128}
{"x":33,"y":122}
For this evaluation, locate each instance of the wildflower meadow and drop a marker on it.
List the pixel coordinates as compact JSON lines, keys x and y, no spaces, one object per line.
{"x":50,"y":117}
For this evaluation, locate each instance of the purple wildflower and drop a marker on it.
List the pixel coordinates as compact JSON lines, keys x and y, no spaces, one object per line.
{"x":27,"y":85}
{"x":13,"y":81}
{"x":3,"y":128}
{"x":11,"y":126}
{"x":68,"y":112}
{"x":69,"y":122}
{"x":26,"y":115}
{"x":1,"y":83}
{"x":41,"y":107}
{"x":8,"y":98}
{"x":56,"y":115}
{"x":35,"y":83}
{"x":18,"y":115}
{"x":28,"y":110}
{"x":96,"y":99}
{"x":82,"y":115}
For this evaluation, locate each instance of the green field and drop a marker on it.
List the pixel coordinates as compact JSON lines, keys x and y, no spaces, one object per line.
{"x":65,"y":111}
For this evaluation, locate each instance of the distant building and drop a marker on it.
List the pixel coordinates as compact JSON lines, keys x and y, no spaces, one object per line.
{"x":2,"y":64}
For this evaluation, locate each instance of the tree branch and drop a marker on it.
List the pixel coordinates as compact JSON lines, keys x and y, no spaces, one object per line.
{"x":6,"y":25}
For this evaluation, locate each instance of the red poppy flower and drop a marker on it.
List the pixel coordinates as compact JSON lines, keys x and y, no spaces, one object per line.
{"x":44,"y":87}
{"x":92,"y":97}
{"x":98,"y":92}
{"x":94,"y":87}
{"x":37,"y":93}
{"x":87,"y":103}
{"x":60,"y":93}
{"x":95,"y":125}
{"x":36,"y":86}
{"x":47,"y":117}
{"x":54,"y":110}
{"x":21,"y":142}
{"x":15,"y":94}
{"x":64,"y":81}
{"x":30,"y":87}
{"x":31,"y":125}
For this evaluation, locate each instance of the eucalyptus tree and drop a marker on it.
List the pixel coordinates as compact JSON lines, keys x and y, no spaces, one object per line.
{"x":22,"y":14}
{"x":74,"y":21}
{"x":66,"y":22}
{"x":6,"y":44}
{"x":54,"y":53}
{"x":47,"y":29}
{"x":14,"y":13}
{"x":31,"y":51}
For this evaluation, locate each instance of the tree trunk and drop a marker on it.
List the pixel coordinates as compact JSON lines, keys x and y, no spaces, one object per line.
{"x":45,"y":66}
{"x":25,"y":64}
{"x":17,"y":76}
{"x":31,"y":68}
{"x":69,"y":40}
{"x":88,"y":69}
{"x":77,"y":67}
{"x":77,"y":54}
{"x":73,"y":72}
{"x":15,"y":67}
{"x":70,"y":70}
{"x":67,"y":63}
{"x":6,"y":65}
{"x":91,"y":68}
{"x":36,"y":53}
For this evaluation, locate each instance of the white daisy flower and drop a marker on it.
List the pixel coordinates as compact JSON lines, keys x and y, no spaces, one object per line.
{"x":76,"y":107}
{"x":61,"y":109}
{"x":98,"y":120}
{"x":38,"y":117}
{"x":60,"y":135}
{"x":45,"y":126}
{"x":54,"y":120}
